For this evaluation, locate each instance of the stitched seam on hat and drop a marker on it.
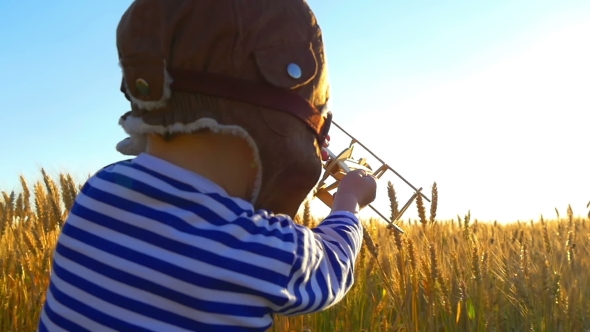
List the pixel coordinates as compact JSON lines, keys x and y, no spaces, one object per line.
{"x":237,"y":47}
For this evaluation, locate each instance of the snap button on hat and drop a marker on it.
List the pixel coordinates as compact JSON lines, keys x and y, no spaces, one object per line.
{"x":294,"y":70}
{"x":142,"y":86}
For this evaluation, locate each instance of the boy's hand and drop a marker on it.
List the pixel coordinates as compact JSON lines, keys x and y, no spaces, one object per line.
{"x":356,"y":190}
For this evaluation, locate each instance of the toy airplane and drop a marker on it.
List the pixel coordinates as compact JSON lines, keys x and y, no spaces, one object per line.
{"x":337,"y":166}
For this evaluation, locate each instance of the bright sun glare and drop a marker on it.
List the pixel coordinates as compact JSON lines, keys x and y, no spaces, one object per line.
{"x":506,"y":142}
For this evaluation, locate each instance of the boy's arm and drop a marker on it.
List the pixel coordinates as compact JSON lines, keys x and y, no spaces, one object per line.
{"x":323,"y":268}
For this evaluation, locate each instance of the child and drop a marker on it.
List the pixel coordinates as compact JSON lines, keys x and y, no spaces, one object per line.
{"x":196,"y":232}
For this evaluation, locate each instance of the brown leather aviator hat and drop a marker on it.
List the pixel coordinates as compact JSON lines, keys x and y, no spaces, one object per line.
{"x":251,"y":68}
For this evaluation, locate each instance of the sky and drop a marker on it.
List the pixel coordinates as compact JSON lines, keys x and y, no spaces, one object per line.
{"x":490,"y":100}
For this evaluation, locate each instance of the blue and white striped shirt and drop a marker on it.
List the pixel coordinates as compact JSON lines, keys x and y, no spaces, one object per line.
{"x":149,"y":246}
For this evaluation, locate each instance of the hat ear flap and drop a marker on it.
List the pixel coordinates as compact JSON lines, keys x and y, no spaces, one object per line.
{"x":146,"y":83}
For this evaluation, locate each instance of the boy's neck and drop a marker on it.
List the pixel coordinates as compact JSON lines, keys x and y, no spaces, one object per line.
{"x":225,"y":160}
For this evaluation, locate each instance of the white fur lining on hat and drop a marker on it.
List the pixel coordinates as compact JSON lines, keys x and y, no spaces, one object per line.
{"x":326,"y":108}
{"x":151,"y":105}
{"x":136,"y":143}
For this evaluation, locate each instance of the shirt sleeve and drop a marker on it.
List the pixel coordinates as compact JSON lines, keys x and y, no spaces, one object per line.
{"x":323,"y":269}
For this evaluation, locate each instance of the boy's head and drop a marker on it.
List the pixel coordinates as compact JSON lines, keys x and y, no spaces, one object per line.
{"x":252,"y":69}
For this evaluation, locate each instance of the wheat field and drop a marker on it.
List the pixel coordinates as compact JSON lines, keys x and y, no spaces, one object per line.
{"x":456,"y":275}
